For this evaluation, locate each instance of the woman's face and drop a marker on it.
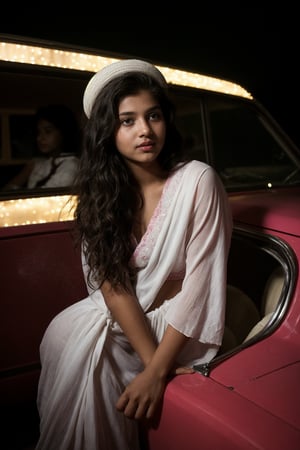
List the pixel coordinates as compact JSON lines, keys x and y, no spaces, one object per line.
{"x":49,"y":137}
{"x":141,"y":133}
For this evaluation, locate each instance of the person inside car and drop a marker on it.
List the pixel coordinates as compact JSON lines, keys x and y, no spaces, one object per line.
{"x":57,"y":141}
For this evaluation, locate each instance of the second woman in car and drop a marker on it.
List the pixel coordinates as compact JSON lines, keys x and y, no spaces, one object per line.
{"x":58,"y":142}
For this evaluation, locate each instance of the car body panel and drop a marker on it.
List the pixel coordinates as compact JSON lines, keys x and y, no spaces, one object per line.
{"x":199,"y":413}
{"x":267,"y":374}
{"x":277,"y":209}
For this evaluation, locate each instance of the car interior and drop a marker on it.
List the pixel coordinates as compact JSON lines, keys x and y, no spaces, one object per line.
{"x":258,"y":281}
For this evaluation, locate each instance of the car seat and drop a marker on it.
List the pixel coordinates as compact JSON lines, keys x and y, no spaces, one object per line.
{"x":270,"y":300}
{"x":241,"y":315}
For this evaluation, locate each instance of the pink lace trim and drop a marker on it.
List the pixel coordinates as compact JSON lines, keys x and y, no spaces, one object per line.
{"x":145,"y":247}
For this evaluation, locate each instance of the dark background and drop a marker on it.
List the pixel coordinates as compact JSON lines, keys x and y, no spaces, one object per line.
{"x":262,"y":55}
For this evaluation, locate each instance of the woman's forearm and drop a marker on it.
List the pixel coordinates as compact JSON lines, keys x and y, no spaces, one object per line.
{"x":143,"y":395}
{"x":127,"y":311}
{"x":164,"y":359}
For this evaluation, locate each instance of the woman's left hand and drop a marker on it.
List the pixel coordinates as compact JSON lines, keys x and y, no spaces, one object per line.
{"x":182,"y":370}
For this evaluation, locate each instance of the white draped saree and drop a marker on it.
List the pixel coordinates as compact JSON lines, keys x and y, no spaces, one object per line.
{"x":87,"y":360}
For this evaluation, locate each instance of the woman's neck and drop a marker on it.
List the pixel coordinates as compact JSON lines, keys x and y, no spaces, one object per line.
{"x":147,"y":174}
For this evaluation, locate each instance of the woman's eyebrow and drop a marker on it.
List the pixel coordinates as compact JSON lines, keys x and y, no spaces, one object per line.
{"x":152,"y":108}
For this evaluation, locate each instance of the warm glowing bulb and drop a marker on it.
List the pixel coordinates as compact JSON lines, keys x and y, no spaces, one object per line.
{"x":92,"y":63}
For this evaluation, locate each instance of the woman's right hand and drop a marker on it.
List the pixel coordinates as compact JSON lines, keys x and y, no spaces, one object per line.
{"x":142,"y":396}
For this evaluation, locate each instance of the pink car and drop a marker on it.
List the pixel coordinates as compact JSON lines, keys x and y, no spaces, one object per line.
{"x":248,"y":397}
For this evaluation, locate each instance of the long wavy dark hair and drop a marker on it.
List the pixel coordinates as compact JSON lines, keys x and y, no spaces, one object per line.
{"x":108,"y":194}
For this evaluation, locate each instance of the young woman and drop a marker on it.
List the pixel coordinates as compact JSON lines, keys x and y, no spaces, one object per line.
{"x":155,"y":234}
{"x":57,"y":142}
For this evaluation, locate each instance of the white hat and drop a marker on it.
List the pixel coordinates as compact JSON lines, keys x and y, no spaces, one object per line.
{"x":101,"y":78}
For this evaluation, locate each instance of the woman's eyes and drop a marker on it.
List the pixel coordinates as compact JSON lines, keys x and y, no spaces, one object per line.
{"x":155,"y":116}
{"x":152,"y":117}
{"x":126,"y":122}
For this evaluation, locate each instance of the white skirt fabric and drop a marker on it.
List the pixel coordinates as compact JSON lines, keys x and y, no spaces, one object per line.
{"x":87,"y":362}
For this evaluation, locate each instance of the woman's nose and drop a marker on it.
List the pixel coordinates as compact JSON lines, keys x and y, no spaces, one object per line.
{"x":145,"y":128}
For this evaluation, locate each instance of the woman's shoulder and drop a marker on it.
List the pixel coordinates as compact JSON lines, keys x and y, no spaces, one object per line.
{"x":195,"y":168}
{"x":67,"y":159}
{"x":67,"y":156}
{"x":199,"y":173}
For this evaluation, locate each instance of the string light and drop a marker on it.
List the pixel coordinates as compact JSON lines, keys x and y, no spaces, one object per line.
{"x":52,"y":57}
{"x":24,"y":211}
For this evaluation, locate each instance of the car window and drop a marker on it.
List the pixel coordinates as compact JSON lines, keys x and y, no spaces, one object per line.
{"x":18,"y":146}
{"x":246,"y":148}
{"x":237,"y":137}
{"x":190,"y":121}
{"x":21,"y":129}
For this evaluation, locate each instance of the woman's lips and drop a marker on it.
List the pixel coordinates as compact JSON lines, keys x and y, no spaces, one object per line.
{"x":146,"y":146}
